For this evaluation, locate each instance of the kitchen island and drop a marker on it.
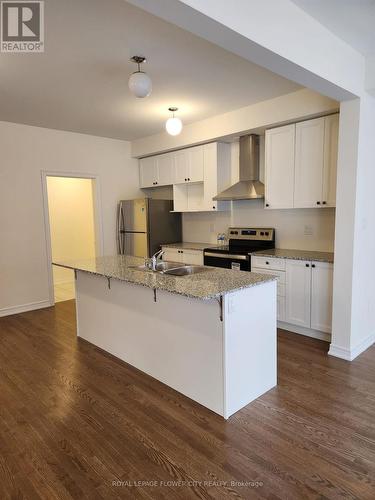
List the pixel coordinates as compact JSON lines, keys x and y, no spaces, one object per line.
{"x":210,"y":335}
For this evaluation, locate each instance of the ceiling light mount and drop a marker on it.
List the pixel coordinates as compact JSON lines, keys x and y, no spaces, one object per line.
{"x":139,"y":82}
{"x":173,"y":125}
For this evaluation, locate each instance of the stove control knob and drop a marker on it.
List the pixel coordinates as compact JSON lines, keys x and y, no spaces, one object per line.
{"x":262,"y":233}
{"x":267,"y":233}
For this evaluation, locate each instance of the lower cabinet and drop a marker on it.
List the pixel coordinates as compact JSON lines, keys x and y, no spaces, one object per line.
{"x":304,"y":291}
{"x":321,"y":296}
{"x":298,"y":292}
{"x":193,"y":257}
{"x":309,"y":294}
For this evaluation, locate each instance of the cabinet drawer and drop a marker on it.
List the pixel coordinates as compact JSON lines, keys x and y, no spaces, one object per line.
{"x":268,"y":263}
{"x":280,"y":274}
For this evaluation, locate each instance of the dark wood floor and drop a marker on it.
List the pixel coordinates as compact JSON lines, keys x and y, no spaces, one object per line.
{"x":73,"y":420}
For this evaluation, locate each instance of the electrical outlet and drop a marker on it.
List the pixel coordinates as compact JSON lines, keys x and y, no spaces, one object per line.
{"x":308,"y":231}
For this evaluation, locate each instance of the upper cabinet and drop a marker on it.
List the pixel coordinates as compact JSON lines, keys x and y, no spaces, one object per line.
{"x":308,"y":176}
{"x":156,"y":171}
{"x":279,"y":174}
{"x":301,"y":162}
{"x":331,"y":139}
{"x":197,"y":175}
{"x":188,"y":164}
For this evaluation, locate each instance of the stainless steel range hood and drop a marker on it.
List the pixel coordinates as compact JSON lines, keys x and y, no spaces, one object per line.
{"x":249,"y":187}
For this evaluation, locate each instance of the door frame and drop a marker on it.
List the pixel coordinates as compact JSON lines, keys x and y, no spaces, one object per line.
{"x":99,"y":240}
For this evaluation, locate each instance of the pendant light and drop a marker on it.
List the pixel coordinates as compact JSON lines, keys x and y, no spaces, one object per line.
{"x":173,"y":125}
{"x":139,"y":82}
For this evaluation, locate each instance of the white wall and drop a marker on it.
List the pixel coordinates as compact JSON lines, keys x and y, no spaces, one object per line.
{"x":295,"y":106}
{"x":25,"y":152}
{"x":72,"y":222}
{"x":354,"y":277}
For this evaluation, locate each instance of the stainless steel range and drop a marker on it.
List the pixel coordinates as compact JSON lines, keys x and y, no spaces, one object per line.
{"x":242,"y":242}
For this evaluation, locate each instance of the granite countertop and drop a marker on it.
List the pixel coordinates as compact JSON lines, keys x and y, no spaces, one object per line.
{"x":189,"y":246}
{"x":211,"y":283}
{"x":281,"y":253}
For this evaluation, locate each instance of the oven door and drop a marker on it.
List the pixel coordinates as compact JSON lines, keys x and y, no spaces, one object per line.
{"x":229,"y":261}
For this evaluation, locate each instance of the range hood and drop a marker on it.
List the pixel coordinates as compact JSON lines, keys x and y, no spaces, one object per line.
{"x":249,"y":187}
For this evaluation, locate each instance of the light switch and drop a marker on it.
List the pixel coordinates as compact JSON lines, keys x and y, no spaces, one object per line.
{"x":308,"y":231}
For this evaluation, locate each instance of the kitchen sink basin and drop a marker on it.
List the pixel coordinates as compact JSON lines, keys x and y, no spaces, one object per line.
{"x":184,"y":270}
{"x":160,"y":267}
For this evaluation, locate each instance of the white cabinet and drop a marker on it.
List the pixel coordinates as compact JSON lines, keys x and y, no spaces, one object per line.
{"x":308,"y":177}
{"x":309,"y":294}
{"x":274,"y":267}
{"x":148,"y":172}
{"x":196,"y":164}
{"x":188,"y":164}
{"x":185,"y":256}
{"x":331,"y":137}
{"x":165,"y":167}
{"x":181,"y":166}
{"x":279,"y":167}
{"x":301,"y":164}
{"x":321,"y":296}
{"x":198,"y":196}
{"x":156,"y":171}
{"x":298,"y":292}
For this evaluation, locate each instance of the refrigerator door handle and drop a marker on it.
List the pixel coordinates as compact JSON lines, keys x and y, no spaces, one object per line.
{"x":120,"y":220}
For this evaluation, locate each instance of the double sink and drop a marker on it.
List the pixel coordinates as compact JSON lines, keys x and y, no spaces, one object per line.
{"x":171,"y":268}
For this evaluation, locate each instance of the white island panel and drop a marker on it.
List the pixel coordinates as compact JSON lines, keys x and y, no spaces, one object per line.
{"x":177,"y":340}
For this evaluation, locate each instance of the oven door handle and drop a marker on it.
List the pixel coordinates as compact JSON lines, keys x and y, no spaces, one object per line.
{"x":225,"y":256}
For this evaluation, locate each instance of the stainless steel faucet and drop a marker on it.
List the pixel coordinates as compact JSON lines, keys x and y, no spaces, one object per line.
{"x":152,"y":263}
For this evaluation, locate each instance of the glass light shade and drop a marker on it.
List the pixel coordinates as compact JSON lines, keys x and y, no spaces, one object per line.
{"x":173,"y":126}
{"x":140,"y":84}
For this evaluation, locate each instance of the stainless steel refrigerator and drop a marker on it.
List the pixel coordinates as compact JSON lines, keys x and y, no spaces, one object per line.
{"x":145,"y":224}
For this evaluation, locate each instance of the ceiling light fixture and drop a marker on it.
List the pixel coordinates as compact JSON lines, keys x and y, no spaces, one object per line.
{"x":173,"y":125}
{"x":140,"y":83}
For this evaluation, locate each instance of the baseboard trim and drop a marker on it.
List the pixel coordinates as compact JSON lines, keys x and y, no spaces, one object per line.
{"x":307,"y":332}
{"x":32,"y":306}
{"x":350,"y":354}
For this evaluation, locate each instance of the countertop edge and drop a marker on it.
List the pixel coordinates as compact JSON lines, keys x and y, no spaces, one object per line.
{"x":266,"y":279}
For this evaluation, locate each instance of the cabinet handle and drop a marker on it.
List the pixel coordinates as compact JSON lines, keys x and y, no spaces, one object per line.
{"x":318,"y":202}
{"x":307,"y":265}
{"x":267,"y":263}
{"x":324,"y":203}
{"x":312,"y":265}
{"x":185,"y":179}
{"x":188,"y":178}
{"x":267,"y":205}
{"x":214,"y":207}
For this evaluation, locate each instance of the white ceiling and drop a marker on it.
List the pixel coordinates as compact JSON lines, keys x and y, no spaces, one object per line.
{"x":351,"y":20}
{"x":80,"y":82}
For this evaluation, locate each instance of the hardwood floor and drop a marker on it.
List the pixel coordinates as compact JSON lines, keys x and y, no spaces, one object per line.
{"x":77,"y":423}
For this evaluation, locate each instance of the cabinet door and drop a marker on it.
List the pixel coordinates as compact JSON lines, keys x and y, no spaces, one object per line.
{"x":308,"y":179}
{"x":210,"y":176}
{"x":148,"y":172}
{"x":172,"y":254}
{"x":298,"y":292}
{"x":194,"y":257}
{"x":195,"y":197}
{"x":165,"y":167}
{"x":331,"y":136}
{"x":181,"y":166}
{"x":279,"y":167}
{"x":195,"y":160}
{"x":180,"y":197}
{"x":321,"y":296}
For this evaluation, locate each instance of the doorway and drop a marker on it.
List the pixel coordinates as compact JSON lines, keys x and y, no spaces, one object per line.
{"x":72,"y":227}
